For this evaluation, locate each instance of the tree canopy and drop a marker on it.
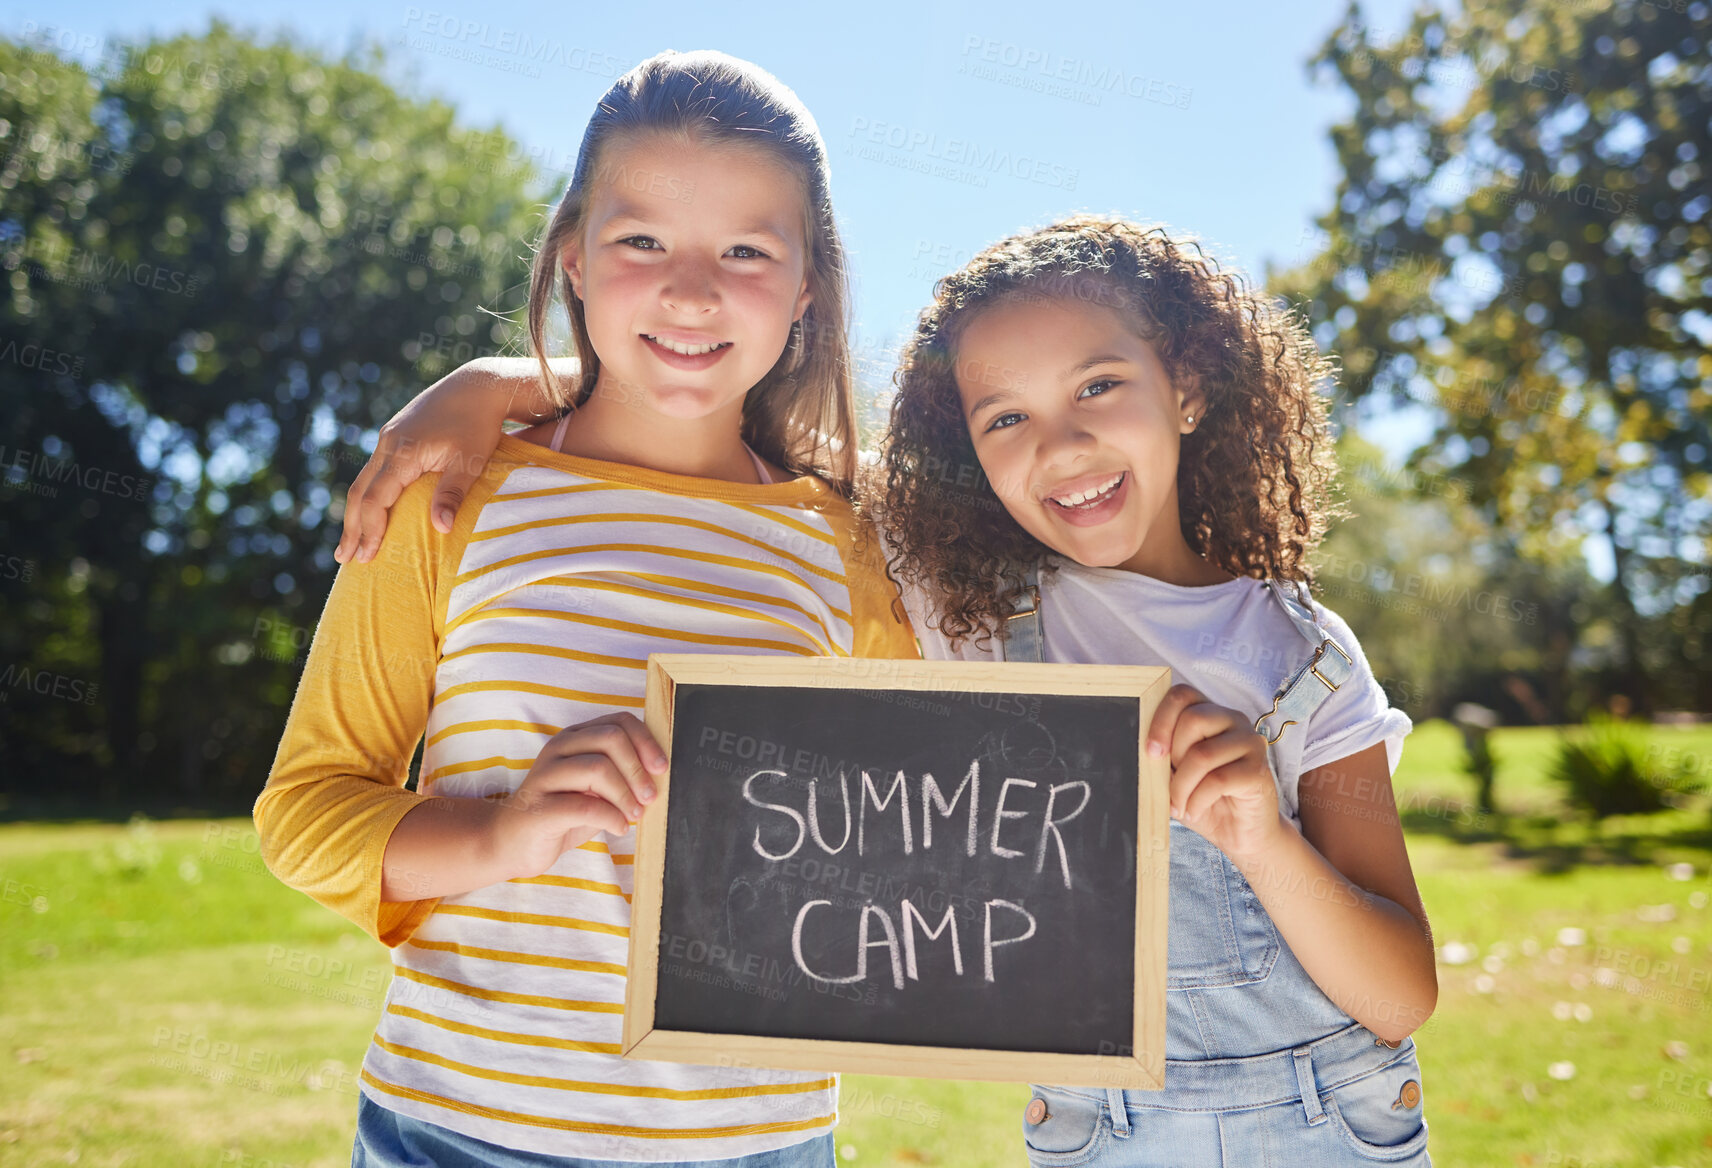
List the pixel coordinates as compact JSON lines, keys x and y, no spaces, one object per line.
{"x":228,"y":262}
{"x":1521,"y":241}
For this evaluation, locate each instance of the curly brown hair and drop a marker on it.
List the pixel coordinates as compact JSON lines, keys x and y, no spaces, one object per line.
{"x":1253,"y":479}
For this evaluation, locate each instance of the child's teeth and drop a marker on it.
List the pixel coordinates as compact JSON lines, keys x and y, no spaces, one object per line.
{"x":686,"y":350}
{"x":1080,"y":497}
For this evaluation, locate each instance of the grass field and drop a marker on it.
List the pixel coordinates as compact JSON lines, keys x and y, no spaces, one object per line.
{"x":167,"y":1002}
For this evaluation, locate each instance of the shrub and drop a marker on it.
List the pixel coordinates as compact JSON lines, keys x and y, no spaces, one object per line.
{"x":1610,"y":767}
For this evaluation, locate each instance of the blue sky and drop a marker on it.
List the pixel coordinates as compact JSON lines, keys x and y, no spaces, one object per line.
{"x":1205,"y":120}
{"x":949,"y":125}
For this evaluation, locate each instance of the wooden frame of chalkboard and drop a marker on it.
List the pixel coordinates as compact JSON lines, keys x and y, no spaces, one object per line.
{"x":1129,"y":1053}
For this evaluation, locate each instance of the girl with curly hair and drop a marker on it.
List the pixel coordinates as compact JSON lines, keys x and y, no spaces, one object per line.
{"x":1106,"y":449}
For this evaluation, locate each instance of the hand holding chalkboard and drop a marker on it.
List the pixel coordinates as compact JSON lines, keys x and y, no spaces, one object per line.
{"x":937,"y":876}
{"x":588,"y":778}
{"x":1236,"y":809}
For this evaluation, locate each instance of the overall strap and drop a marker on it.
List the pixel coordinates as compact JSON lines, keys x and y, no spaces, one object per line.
{"x":1302,"y":692}
{"x":1022,"y":640}
{"x":1295,"y":700}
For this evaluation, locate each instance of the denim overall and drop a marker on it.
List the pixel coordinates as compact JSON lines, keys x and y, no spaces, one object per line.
{"x":1261,"y":1068}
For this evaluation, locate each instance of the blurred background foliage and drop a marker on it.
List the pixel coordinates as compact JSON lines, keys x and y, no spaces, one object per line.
{"x":1521,"y":246}
{"x":228,"y":261}
{"x":238,"y":259}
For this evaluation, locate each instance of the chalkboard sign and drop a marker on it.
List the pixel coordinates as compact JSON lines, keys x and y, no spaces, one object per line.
{"x":945,"y":869}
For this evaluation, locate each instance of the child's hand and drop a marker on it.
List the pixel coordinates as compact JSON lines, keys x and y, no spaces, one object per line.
{"x":451,"y":427}
{"x":1221,"y":781}
{"x":589,"y":778}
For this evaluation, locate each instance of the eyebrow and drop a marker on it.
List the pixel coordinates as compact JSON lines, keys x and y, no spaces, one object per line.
{"x":989,"y":400}
{"x":1091,"y":362}
{"x":765,"y":230}
{"x":628,"y":213}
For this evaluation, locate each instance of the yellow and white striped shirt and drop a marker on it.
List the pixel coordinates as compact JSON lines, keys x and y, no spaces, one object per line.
{"x":538,"y":612}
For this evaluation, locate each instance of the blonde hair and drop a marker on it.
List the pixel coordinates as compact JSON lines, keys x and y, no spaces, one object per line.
{"x":801,"y":415}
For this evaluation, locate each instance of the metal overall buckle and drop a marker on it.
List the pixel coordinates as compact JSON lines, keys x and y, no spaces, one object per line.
{"x":1032,"y":610}
{"x":1313,"y":667}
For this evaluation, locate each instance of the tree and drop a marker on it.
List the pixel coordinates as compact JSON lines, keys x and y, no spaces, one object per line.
{"x":1522,"y":239}
{"x":1446,"y":607}
{"x":250,"y":255}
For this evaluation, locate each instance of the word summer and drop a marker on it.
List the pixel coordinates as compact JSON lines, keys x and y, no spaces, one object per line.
{"x":807,"y":823}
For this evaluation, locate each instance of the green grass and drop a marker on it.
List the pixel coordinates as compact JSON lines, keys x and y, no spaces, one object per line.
{"x":1432,"y":764}
{"x":167,"y":1002}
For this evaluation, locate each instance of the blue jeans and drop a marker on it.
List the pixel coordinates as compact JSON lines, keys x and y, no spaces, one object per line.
{"x":386,"y":1139}
{"x":1260,"y":1066}
{"x":1342,"y":1101}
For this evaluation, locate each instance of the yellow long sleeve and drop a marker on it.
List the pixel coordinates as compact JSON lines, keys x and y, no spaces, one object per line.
{"x":337,"y":787}
{"x":561,"y":576}
{"x":336,"y":790}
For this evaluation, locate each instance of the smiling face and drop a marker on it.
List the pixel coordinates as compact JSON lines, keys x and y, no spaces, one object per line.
{"x":1078,"y":426}
{"x":691,"y":266}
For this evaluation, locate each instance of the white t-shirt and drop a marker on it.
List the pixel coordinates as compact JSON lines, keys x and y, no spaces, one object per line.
{"x":1231,"y":641}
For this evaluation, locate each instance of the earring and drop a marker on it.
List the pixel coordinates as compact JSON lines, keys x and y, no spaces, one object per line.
{"x":1190,"y":419}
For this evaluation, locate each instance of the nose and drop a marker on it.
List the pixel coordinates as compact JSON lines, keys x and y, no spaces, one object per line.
{"x":691,"y":286}
{"x":1061,"y":445}
{"x":1065,"y":441}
